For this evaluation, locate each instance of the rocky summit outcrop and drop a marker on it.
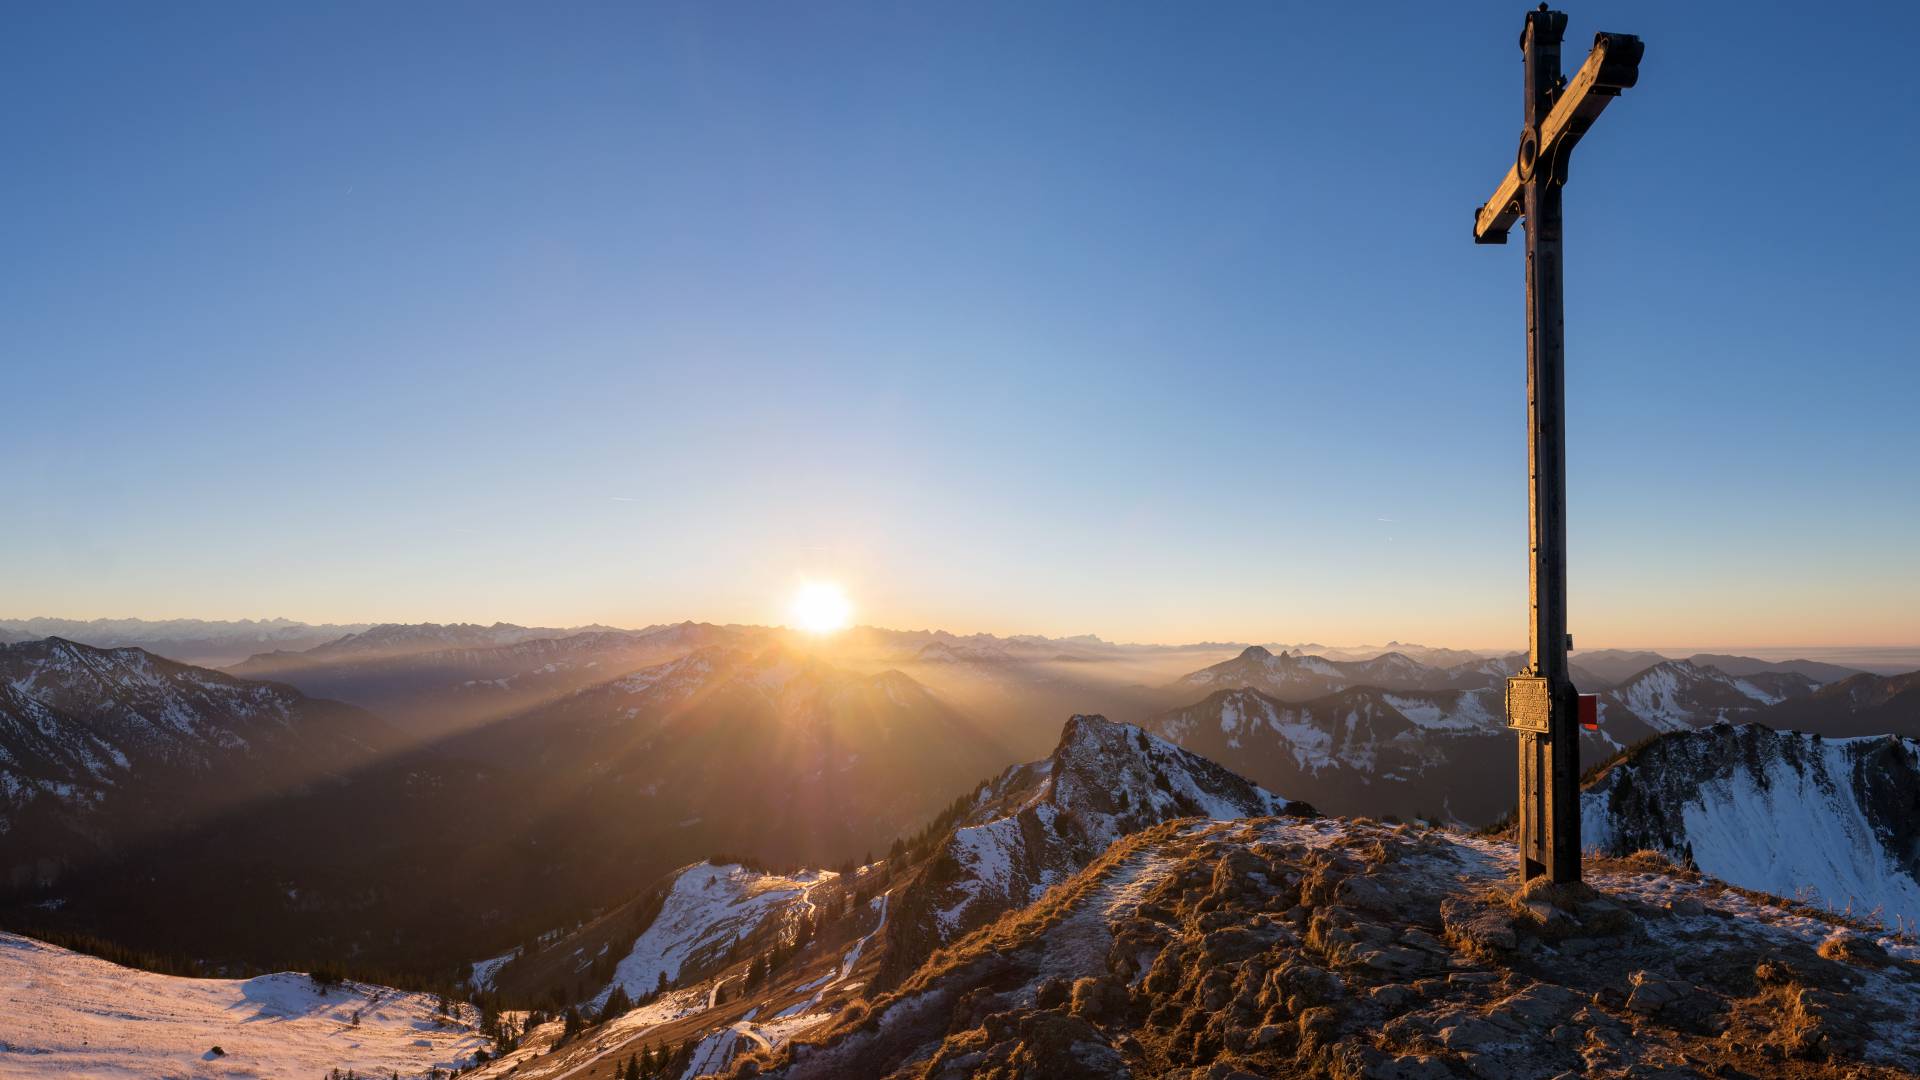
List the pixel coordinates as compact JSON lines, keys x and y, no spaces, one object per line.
{"x":1037,"y":825}
{"x":1283,"y":947}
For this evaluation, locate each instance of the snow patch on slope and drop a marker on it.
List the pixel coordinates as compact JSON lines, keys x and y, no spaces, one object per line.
{"x":707,"y":909}
{"x":1818,"y":844}
{"x":1781,"y":812}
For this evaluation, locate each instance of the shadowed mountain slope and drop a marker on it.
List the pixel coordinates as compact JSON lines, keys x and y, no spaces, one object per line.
{"x":99,"y":747}
{"x":431,"y":856}
{"x":1832,"y":821}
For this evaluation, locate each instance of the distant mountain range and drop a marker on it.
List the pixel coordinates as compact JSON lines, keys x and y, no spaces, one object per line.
{"x":220,"y":643}
{"x":206,"y":642}
{"x":551,"y":773}
{"x":1128,"y":905}
{"x":1391,"y":736}
{"x":433,"y":679}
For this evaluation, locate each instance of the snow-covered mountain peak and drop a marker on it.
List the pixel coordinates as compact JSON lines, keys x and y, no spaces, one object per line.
{"x":1677,"y":695}
{"x":1038,"y":823}
{"x":1118,"y":778}
{"x":1826,"y":820}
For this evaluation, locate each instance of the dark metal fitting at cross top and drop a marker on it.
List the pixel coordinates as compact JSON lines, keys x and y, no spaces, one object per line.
{"x":1547,"y":26}
{"x":1619,"y":59}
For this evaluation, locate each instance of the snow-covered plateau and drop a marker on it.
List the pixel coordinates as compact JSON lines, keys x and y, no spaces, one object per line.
{"x":70,"y":1015}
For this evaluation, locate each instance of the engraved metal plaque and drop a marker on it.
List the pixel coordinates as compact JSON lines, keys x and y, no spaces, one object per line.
{"x":1529,"y":705}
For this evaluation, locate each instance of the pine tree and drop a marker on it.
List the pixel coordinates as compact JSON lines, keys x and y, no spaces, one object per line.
{"x":618,"y":1004}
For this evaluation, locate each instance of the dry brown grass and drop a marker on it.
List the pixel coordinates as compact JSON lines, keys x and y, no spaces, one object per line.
{"x":1644,"y":861}
{"x":1009,"y":931}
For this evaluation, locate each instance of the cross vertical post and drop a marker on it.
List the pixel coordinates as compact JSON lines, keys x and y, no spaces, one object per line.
{"x":1542,"y":702}
{"x":1550,"y":763}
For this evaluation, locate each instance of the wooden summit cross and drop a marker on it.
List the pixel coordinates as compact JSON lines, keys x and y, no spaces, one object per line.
{"x":1542,"y":704}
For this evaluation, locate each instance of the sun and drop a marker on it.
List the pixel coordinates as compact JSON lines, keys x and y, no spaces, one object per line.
{"x":820,"y":607}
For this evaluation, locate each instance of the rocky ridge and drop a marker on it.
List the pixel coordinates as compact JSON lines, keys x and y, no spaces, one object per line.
{"x":1295,"y":948}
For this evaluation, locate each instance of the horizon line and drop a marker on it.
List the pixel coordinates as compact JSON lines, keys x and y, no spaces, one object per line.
{"x":1388,"y":645}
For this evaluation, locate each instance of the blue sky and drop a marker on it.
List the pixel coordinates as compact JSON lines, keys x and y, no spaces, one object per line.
{"x":1156,"y":321}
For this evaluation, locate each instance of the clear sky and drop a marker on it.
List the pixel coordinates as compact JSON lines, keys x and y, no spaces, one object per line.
{"x":1159,"y":321}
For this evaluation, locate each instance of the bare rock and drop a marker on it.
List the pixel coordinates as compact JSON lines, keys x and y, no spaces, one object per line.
{"x":1368,"y":894}
{"x":1677,"y":1004}
{"x":1543,"y":1005}
{"x":1407,"y":1067}
{"x":1052,"y":994}
{"x":1393,"y":996}
{"x":1479,"y":930}
{"x":1473,"y":1033}
{"x":1651,"y":994}
{"x":1392,"y":961}
{"x":1420,"y":939}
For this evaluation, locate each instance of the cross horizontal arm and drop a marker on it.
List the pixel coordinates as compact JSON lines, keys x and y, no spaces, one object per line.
{"x":1612,"y":66}
{"x":1497,"y":215}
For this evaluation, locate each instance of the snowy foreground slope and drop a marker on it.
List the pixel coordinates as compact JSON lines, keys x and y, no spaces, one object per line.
{"x":1830,"y":821}
{"x":69,"y":1015}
